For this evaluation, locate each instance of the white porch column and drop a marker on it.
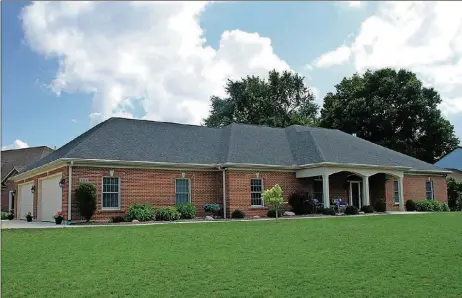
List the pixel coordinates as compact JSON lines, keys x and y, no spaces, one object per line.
{"x":325,"y":190}
{"x":366,"y":191}
{"x":401,"y":195}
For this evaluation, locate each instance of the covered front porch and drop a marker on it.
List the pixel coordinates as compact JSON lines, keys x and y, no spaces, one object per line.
{"x":357,"y":186}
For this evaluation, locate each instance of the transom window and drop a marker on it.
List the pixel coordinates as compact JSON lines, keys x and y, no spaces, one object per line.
{"x":182,"y":191}
{"x":396,"y":190}
{"x":429,"y":190}
{"x":111,"y":193}
{"x":256,"y":189}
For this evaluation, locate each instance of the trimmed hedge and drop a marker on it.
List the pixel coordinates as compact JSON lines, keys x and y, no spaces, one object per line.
{"x":380,"y":205}
{"x":431,"y":206}
{"x":410,"y":205}
{"x":167,"y":214}
{"x":187,"y":211}
{"x":328,"y":211}
{"x":237,"y":214}
{"x":140,"y":212}
{"x":300,"y":203}
{"x":367,"y":209}
{"x":351,"y":210}
{"x":4,"y":215}
{"x":213,"y":208}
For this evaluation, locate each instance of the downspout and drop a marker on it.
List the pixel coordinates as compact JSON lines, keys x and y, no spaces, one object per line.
{"x":224,"y":190}
{"x":69,"y":195}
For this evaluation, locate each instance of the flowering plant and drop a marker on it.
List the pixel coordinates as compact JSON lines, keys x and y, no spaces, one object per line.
{"x":58,"y":215}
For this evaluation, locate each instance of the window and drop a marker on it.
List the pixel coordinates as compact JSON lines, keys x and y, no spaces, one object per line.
{"x":111,"y":193}
{"x":256,"y":188}
{"x":396,"y":190}
{"x":429,"y":190}
{"x":182,"y":191}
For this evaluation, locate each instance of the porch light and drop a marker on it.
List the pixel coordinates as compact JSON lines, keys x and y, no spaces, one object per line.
{"x":32,"y":189}
{"x":62,"y":182}
{"x":14,"y":192}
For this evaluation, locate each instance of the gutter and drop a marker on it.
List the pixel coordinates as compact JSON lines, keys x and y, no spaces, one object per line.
{"x":223,"y":169}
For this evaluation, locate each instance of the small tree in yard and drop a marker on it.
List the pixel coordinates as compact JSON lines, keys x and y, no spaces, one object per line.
{"x":273,"y":198}
{"x":86,"y":200}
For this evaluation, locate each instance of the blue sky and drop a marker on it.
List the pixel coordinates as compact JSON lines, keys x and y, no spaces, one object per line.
{"x":65,"y":68}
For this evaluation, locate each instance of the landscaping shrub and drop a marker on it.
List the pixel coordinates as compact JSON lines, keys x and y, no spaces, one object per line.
{"x":167,"y":214}
{"x":367,"y":209}
{"x":351,"y":210}
{"x":320,"y":210}
{"x":272,"y":213}
{"x":4,"y":215}
{"x":444,"y":207}
{"x":11,"y":215}
{"x":212,"y":208}
{"x":328,"y":211}
{"x":238,"y":214}
{"x":454,"y":194}
{"x":140,"y":212}
{"x":187,"y":211}
{"x":427,"y":205}
{"x":380,"y":205}
{"x":410,"y":205}
{"x":301,"y":203}
{"x":116,"y":219}
{"x":86,"y":200}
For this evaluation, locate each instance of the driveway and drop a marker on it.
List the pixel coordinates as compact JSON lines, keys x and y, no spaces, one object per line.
{"x":22,"y":224}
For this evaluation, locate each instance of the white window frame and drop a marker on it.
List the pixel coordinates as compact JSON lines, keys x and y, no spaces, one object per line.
{"x":103,"y":192}
{"x":261,"y":193}
{"x":431,"y":190}
{"x":396,"y":182}
{"x":189,"y":188}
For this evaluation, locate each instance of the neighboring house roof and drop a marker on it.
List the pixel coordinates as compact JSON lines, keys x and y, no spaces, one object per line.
{"x":150,"y":141}
{"x":452,"y":161}
{"x":16,"y":160}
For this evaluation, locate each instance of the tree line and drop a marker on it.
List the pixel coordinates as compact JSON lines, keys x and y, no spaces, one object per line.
{"x":387,"y":107}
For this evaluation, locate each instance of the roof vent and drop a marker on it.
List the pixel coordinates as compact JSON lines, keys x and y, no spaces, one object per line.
{"x":353,"y":134}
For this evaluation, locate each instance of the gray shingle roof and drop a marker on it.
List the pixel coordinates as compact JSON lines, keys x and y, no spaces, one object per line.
{"x":20,"y":158}
{"x":141,"y":140}
{"x":452,"y":160}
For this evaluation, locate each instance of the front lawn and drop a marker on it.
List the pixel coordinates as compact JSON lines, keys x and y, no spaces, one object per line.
{"x":374,"y":256}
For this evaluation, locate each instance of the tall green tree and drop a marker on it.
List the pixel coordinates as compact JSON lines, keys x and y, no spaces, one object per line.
{"x":279,"y":101}
{"x":391,"y":108}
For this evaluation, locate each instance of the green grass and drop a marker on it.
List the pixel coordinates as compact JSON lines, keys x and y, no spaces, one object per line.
{"x":377,"y":256}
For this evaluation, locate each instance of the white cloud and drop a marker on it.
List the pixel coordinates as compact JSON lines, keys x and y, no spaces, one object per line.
{"x":17,"y":144}
{"x":149,"y":53}
{"x":355,"y":4}
{"x":74,"y":120}
{"x":337,"y":56}
{"x":425,"y":37}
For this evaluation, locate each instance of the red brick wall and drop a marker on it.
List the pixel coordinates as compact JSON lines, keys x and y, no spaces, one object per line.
{"x":414,"y":189}
{"x":239,"y":188}
{"x":157,"y":187}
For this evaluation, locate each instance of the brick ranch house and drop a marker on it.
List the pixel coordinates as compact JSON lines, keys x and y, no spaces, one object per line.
{"x":167,"y":163}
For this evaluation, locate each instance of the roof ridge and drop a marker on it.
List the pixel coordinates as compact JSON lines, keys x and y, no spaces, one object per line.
{"x":27,"y":148}
{"x":163,"y":122}
{"x":316,"y":145}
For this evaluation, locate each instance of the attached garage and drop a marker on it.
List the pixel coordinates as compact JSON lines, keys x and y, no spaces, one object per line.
{"x":25,"y":200}
{"x":49,"y":198}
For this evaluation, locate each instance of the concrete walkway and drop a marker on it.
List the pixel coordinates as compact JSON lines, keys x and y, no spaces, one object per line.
{"x":22,"y":224}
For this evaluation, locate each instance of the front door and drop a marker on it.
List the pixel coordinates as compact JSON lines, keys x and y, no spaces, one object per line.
{"x":355,"y":194}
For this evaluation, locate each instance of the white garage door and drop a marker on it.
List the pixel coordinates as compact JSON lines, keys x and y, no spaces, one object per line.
{"x":50,"y":198}
{"x":25,"y":200}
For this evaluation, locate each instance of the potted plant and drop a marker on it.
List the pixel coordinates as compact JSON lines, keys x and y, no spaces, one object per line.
{"x":29,"y":217}
{"x":58,"y":217}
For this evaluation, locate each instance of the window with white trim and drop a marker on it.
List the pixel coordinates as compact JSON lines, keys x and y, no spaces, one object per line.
{"x":111,"y":193}
{"x":429,"y":190}
{"x":396,"y":191}
{"x":256,"y":189}
{"x":182,"y":191}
